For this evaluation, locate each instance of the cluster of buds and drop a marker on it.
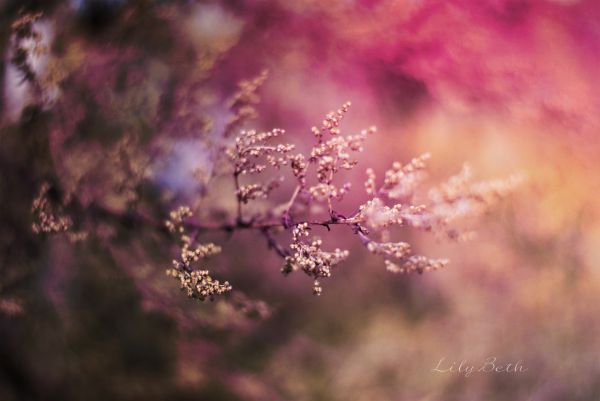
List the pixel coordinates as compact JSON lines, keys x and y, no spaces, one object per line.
{"x":196,"y":284}
{"x":333,"y":154}
{"x":397,"y":250}
{"x":176,"y":222}
{"x":401,"y":254}
{"x":251,"y":146}
{"x":458,"y":197}
{"x":401,"y":181}
{"x":299,"y":165}
{"x":375,"y":214}
{"x":243,"y":103}
{"x":370,"y":185}
{"x":416,"y":263}
{"x":310,"y":258}
{"x":191,"y":254}
{"x":251,"y":154}
{"x":331,"y":123}
{"x":47,"y":216}
{"x":249,"y":192}
{"x":323,"y":192}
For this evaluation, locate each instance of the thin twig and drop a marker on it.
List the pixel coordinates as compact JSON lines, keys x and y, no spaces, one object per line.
{"x":273,"y":244}
{"x":238,"y":195}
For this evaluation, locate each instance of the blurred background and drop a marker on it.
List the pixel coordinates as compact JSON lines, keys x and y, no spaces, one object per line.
{"x":506,"y":85}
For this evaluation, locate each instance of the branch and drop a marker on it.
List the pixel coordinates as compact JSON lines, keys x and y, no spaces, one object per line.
{"x":273,"y":244}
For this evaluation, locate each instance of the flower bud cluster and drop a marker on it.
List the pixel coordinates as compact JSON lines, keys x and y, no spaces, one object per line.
{"x":458,"y":197}
{"x":334,"y":154}
{"x":252,"y":154}
{"x":370,"y":185}
{"x":175,"y":223}
{"x":249,"y":192}
{"x":404,"y":260}
{"x":416,"y":263}
{"x":401,"y":181}
{"x":47,"y":216}
{"x":378,"y":215}
{"x":323,"y":192}
{"x":397,"y":250}
{"x":331,"y":122}
{"x":310,"y":258}
{"x":243,"y":103}
{"x":196,"y":284}
{"x":299,"y":165}
{"x":251,"y":146}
